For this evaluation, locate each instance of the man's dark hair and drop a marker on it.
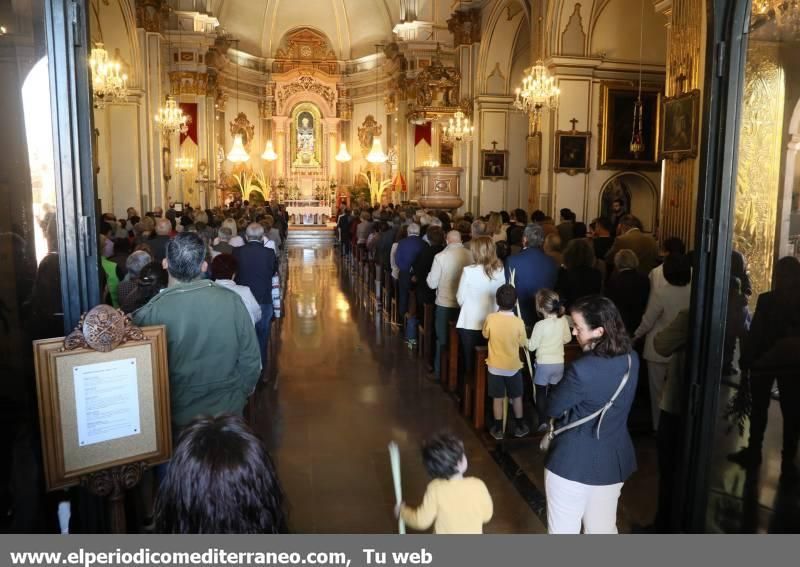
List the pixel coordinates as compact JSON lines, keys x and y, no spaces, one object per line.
{"x":185,"y":255}
{"x":514,"y":235}
{"x":505,"y":217}
{"x":441,"y":455}
{"x":601,"y":222}
{"x":674,"y":245}
{"x":579,"y":230}
{"x":629,"y":222}
{"x":520,"y":217}
{"x":599,"y":311}
{"x":537,"y":216}
{"x":506,"y":297}
{"x":566,"y":214}
{"x":221,"y":480}
{"x":435,"y":235}
{"x":224,"y":267}
{"x":677,"y":270}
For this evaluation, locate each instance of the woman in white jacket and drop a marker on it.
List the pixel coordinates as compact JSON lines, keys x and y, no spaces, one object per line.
{"x":663,"y":306}
{"x":477,"y":296}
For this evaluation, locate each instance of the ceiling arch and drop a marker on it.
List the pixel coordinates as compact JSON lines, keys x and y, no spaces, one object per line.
{"x":352,"y":26}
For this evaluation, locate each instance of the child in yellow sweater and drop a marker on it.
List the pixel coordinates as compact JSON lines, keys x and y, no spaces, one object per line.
{"x":452,"y":503}
{"x":506,"y":334}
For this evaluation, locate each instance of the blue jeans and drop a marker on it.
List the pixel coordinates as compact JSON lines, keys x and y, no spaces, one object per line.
{"x":262,"y":331}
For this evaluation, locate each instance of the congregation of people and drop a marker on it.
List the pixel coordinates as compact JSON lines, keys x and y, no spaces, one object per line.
{"x":565,"y":310}
{"x":537,"y":293}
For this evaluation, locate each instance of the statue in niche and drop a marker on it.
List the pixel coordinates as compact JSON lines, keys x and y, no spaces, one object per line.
{"x":305,"y":133}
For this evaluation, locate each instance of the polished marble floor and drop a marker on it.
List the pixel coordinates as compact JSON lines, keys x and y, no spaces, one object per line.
{"x":342,"y":392}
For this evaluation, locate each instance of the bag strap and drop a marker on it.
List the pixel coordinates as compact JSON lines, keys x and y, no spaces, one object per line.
{"x":599,"y":413}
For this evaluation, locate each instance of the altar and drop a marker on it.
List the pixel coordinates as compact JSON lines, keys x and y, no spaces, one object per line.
{"x":308,"y":211}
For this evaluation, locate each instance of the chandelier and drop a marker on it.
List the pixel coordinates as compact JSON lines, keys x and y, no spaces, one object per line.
{"x":269,"y":152}
{"x":109,"y":83}
{"x":170,"y":117}
{"x":458,"y":128}
{"x":538,"y":91}
{"x":785,"y":13}
{"x":184,"y":164}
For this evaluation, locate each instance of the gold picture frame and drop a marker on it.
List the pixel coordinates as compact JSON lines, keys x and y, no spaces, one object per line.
{"x":616,"y":126}
{"x":494,"y":164}
{"x":572,"y":152}
{"x":680,"y":127}
{"x":534,"y":153}
{"x":69,"y":454}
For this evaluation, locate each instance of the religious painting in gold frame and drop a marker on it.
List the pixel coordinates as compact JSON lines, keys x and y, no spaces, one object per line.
{"x":615,"y":129}
{"x":680,"y":126}
{"x":306,"y":130}
{"x":494,"y":164}
{"x":70,"y":454}
{"x":572,"y":152}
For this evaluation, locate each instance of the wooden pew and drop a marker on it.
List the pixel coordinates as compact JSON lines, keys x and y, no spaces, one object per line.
{"x":425,"y":332}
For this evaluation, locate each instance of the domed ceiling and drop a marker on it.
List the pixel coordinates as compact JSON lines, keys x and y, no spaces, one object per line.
{"x":352,"y":26}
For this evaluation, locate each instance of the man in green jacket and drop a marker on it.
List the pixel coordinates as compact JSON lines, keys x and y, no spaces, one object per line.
{"x":214,"y":360}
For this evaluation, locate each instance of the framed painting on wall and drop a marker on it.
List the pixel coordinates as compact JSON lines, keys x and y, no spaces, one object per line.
{"x":572,"y":152}
{"x":681,"y":122}
{"x":617,"y":103}
{"x":494,"y":164}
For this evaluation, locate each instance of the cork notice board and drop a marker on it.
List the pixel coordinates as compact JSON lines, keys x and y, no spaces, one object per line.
{"x":102,"y":410}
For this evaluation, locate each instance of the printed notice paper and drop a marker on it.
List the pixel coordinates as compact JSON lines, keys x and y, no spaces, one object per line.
{"x":107,"y":401}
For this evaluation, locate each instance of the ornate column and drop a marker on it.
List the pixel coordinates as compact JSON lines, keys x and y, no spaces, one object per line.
{"x":281,"y":145}
{"x":330,"y":128}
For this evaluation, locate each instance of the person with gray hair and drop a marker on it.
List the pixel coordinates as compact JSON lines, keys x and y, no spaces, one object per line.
{"x":628,"y":289}
{"x":223,"y":245}
{"x":444,"y":277}
{"x":531,"y":270}
{"x":127,"y":286}
{"x":257,"y":266}
{"x":407,"y":251}
{"x":213,"y":367}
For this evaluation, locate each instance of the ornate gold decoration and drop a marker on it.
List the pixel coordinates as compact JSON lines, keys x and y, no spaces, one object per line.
{"x":367,"y":132}
{"x":465,"y":27}
{"x":437,"y":91}
{"x":759,"y":161}
{"x":242,"y":126}
{"x":306,"y":48}
{"x":150,"y":14}
{"x":306,"y":84}
{"x":103,"y":329}
{"x":188,"y":82}
{"x":303,"y":157}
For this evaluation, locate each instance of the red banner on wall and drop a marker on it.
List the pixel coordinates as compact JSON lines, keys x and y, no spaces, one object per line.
{"x":190,"y":110}
{"x":423,"y":132}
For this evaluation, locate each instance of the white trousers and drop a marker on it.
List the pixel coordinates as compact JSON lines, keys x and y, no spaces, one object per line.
{"x":657,"y":373}
{"x":570,"y":504}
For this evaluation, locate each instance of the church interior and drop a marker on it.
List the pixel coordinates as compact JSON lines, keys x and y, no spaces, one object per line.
{"x":684,"y":114}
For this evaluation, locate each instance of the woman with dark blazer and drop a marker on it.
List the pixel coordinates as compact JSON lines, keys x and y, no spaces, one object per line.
{"x":588,"y":464}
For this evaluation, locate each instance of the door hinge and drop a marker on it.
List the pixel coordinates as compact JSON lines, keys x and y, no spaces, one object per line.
{"x":721,"y":59}
{"x":75,"y":20}
{"x":708,"y":230}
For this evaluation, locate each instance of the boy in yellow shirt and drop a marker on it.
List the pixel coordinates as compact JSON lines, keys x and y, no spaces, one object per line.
{"x":506,"y":334}
{"x":452,"y":503}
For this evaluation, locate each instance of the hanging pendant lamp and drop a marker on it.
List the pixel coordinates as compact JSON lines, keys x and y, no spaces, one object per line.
{"x":343,"y":154}
{"x":238,"y":154}
{"x":269,"y":152}
{"x":637,"y":145}
{"x":376,"y":154}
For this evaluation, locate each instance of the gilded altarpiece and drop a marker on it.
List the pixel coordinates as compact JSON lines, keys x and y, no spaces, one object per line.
{"x":758,"y":175}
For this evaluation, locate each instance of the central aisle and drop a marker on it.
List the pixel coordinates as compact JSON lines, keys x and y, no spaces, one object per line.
{"x":344,"y":389}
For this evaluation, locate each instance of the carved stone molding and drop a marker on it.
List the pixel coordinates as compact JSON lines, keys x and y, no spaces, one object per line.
{"x":188,"y":82}
{"x":305,"y":84}
{"x":266,"y":108}
{"x":305,"y":48}
{"x":465,"y":27}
